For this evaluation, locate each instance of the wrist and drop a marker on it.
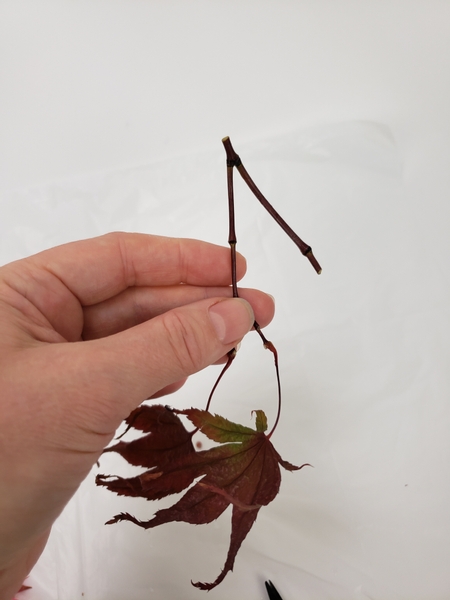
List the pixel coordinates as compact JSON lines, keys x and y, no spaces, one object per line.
{"x":13,"y":571}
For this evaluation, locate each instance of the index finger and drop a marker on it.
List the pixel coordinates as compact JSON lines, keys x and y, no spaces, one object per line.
{"x":99,"y":268}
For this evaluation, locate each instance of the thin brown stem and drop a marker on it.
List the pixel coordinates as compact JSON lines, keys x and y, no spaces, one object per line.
{"x":231,"y":354}
{"x":232,"y":239}
{"x":270,"y":346}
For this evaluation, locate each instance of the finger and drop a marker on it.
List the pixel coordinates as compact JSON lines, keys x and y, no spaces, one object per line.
{"x":100,"y":268}
{"x":169,"y":389}
{"x":136,"y":305}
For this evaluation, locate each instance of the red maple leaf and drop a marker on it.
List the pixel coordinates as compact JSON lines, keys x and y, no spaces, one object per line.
{"x":242,"y":470}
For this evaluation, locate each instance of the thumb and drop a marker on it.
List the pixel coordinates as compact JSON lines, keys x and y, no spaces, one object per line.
{"x":138,"y":362}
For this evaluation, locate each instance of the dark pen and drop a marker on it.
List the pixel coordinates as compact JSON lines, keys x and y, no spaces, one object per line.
{"x":272,"y":591}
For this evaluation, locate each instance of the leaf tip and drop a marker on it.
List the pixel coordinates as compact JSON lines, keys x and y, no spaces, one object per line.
{"x":261,"y":420}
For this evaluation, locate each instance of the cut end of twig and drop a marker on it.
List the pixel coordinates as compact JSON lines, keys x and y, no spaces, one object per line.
{"x":233,"y":159}
{"x":312,"y":259}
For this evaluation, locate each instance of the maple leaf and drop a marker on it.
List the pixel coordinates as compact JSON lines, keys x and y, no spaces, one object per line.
{"x":242,"y":470}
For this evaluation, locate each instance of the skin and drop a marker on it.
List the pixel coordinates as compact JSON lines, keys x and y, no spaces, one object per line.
{"x":88,"y":331}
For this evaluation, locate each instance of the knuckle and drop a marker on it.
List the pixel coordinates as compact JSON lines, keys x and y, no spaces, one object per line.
{"x":187,"y":342}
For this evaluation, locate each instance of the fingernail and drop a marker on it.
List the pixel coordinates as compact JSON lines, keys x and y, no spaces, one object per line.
{"x":231,"y":319}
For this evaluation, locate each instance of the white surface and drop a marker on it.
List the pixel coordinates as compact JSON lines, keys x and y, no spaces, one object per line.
{"x":111,"y":118}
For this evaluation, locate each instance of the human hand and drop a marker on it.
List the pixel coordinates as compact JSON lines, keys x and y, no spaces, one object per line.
{"x":88,"y":331}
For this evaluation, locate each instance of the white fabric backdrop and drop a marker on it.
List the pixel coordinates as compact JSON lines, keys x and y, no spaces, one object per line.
{"x":112,"y":116}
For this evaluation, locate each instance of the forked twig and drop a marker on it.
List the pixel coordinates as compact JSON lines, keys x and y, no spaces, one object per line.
{"x":233,"y":160}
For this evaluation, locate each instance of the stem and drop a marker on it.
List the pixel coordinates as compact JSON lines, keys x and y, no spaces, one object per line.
{"x":270,"y":346}
{"x":231,"y":355}
{"x":232,"y":239}
{"x":233,"y":160}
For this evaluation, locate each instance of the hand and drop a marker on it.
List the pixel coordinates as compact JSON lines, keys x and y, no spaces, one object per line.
{"x":88,"y":331}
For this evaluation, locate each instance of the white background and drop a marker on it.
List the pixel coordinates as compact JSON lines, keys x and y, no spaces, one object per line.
{"x":111,"y":116}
